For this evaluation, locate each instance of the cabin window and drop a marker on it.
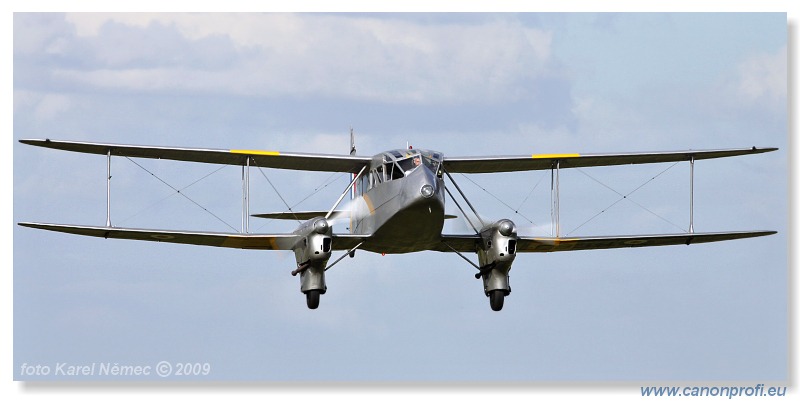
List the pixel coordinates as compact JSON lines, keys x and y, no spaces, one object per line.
{"x":433,"y":165}
{"x":374,"y":178}
{"x":410,"y":163}
{"x":379,"y":174}
{"x":363,"y":184}
{"x":393,"y":171}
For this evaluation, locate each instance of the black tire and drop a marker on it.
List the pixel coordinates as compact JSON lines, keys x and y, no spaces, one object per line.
{"x":312,"y":299}
{"x":496,"y":298}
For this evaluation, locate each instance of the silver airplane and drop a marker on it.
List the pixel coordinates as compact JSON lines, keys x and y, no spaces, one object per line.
{"x":399,"y":207}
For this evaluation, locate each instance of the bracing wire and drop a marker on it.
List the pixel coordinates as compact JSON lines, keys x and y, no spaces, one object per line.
{"x":626,"y":197}
{"x":171,"y":194}
{"x":178,"y":191}
{"x":276,"y":191}
{"x":530,"y":193}
{"x":318,"y":188}
{"x":327,"y":182}
{"x":516,"y":211}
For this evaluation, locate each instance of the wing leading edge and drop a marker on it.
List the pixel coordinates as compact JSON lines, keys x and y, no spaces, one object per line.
{"x":261,"y":158}
{"x":219,"y":239}
{"x":467,"y":243}
{"x":353,"y":163}
{"x":532,"y":162}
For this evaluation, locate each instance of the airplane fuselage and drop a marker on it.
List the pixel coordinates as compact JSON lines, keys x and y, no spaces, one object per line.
{"x":400,"y":202}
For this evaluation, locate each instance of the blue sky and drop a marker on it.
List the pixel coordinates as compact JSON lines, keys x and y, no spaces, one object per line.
{"x":463,"y":84}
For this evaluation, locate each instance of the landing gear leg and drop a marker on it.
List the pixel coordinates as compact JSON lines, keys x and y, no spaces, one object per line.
{"x":312,"y":299}
{"x":496,"y":298}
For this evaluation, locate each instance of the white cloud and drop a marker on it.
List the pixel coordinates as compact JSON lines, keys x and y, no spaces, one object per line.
{"x":719,"y":111}
{"x":763,"y":77}
{"x":44,"y":106}
{"x":389,"y":60}
{"x":51,"y":105}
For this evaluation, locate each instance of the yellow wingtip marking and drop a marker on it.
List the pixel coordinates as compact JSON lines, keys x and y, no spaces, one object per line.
{"x":556,"y":241}
{"x":549,"y":156}
{"x":242,"y":242}
{"x":255,"y":152}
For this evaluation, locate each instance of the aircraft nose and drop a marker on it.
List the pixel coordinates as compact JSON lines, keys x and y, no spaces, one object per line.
{"x":425,"y":187}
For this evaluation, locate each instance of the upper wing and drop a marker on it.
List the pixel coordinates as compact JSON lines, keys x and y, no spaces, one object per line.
{"x":262,"y":158}
{"x":547,"y":161}
{"x":220,"y":239}
{"x":467,"y":243}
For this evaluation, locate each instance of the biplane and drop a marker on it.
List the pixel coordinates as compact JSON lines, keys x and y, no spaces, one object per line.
{"x":398,"y":207}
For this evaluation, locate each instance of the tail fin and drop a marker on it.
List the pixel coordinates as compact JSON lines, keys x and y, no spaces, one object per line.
{"x":352,"y":152}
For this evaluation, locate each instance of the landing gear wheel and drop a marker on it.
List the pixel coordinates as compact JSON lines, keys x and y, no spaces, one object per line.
{"x":312,"y":299}
{"x":496,"y":298}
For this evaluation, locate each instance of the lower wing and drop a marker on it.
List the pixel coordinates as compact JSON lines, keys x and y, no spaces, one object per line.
{"x":468,"y":243}
{"x":219,"y":239}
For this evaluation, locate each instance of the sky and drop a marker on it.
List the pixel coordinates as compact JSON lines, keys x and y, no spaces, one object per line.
{"x":462,"y":84}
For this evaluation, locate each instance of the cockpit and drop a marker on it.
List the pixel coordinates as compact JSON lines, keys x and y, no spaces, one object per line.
{"x":399,"y":163}
{"x":396,"y":164}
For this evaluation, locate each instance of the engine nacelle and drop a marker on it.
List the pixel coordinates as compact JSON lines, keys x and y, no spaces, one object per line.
{"x":312,"y":252}
{"x":315,"y":244}
{"x":496,"y":254}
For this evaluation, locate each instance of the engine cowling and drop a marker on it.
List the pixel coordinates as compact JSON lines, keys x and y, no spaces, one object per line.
{"x":312,"y":252}
{"x":315,"y":245}
{"x":496,"y":254}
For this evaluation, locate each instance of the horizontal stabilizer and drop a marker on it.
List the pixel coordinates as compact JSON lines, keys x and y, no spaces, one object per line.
{"x":307,"y":215}
{"x":295,"y":215}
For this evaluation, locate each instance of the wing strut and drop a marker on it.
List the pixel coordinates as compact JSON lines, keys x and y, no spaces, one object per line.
{"x":465,"y":199}
{"x":246,"y":195}
{"x":462,"y":255}
{"x":108,"y":188}
{"x":555,"y":192}
{"x":352,"y":182}
{"x":691,"y":194}
{"x":352,"y":152}
{"x":461,"y":210}
{"x":345,"y":254}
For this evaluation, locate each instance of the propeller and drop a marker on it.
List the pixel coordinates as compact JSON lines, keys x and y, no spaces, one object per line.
{"x":351,"y":210}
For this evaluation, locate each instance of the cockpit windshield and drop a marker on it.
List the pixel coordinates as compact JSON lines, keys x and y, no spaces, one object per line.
{"x":431,"y":163}
{"x":408,"y":164}
{"x":406,"y":161}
